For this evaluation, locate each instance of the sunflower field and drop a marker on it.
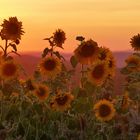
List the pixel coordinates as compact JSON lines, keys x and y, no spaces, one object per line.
{"x":48,"y":106}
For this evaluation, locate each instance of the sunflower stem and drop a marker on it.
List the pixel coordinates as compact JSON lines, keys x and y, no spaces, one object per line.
{"x":52,"y":50}
{"x":82,"y":75}
{"x":5,"y":50}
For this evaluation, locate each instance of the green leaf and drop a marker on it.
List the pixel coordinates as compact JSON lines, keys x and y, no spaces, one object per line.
{"x":73,"y":61}
{"x":45,"y":52}
{"x":75,"y":91}
{"x":58,"y":55}
{"x":14,"y":47}
{"x":90,"y":88}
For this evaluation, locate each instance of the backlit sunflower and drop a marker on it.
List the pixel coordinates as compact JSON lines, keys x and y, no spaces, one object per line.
{"x":87,"y":52}
{"x":104,"y":110}
{"x":104,"y":54}
{"x":61,"y":102}
{"x":133,"y":63}
{"x":8,"y":69}
{"x":11,"y":29}
{"x":98,"y":73}
{"x":59,"y":37}
{"x":50,"y":66}
{"x":42,"y":92}
{"x":111,"y":65}
{"x":135,"y":42}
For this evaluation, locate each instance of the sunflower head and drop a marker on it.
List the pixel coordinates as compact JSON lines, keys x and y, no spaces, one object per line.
{"x":50,"y":66}
{"x":11,"y":29}
{"x":104,"y":110}
{"x":98,"y":73}
{"x":135,"y":42}
{"x":87,"y":52}
{"x":61,"y":102}
{"x":59,"y":37}
{"x":133,"y":63}
{"x":42,"y":92}
{"x":8,"y":69}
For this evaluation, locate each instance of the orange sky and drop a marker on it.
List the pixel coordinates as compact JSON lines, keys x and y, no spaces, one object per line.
{"x":110,"y":23}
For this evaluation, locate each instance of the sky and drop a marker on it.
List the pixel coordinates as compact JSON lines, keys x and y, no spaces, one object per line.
{"x":109,"y":23}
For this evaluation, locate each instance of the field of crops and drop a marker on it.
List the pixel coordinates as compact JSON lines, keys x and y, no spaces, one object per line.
{"x":48,"y":106}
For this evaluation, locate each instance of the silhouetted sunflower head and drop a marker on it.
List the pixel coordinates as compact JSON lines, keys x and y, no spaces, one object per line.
{"x":59,"y":37}
{"x":135,"y":42}
{"x":87,"y":52}
{"x":42,"y":92}
{"x":50,"y":66}
{"x":104,"y":110}
{"x":133,"y":63}
{"x":98,"y":73}
{"x":61,"y":102}
{"x":8,"y":69}
{"x":11,"y":29}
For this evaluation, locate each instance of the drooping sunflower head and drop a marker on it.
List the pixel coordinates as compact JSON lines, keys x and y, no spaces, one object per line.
{"x":50,"y":66}
{"x":135,"y":42}
{"x":98,"y":73}
{"x":42,"y":92}
{"x":104,"y":53}
{"x":133,"y":63}
{"x":61,"y":102}
{"x":8,"y":69}
{"x":59,"y":37}
{"x":87,"y":52}
{"x":111,"y":65}
{"x":104,"y":110}
{"x":11,"y":29}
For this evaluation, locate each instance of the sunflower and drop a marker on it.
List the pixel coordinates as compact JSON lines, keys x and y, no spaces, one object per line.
{"x":61,"y":102}
{"x":42,"y":92}
{"x":50,"y":66}
{"x":104,"y":54}
{"x":59,"y":37}
{"x":133,"y":63}
{"x":104,"y":110}
{"x":135,"y":42}
{"x":8,"y":69}
{"x":98,"y":73}
{"x":87,"y":52}
{"x":111,"y":65}
{"x":11,"y":29}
